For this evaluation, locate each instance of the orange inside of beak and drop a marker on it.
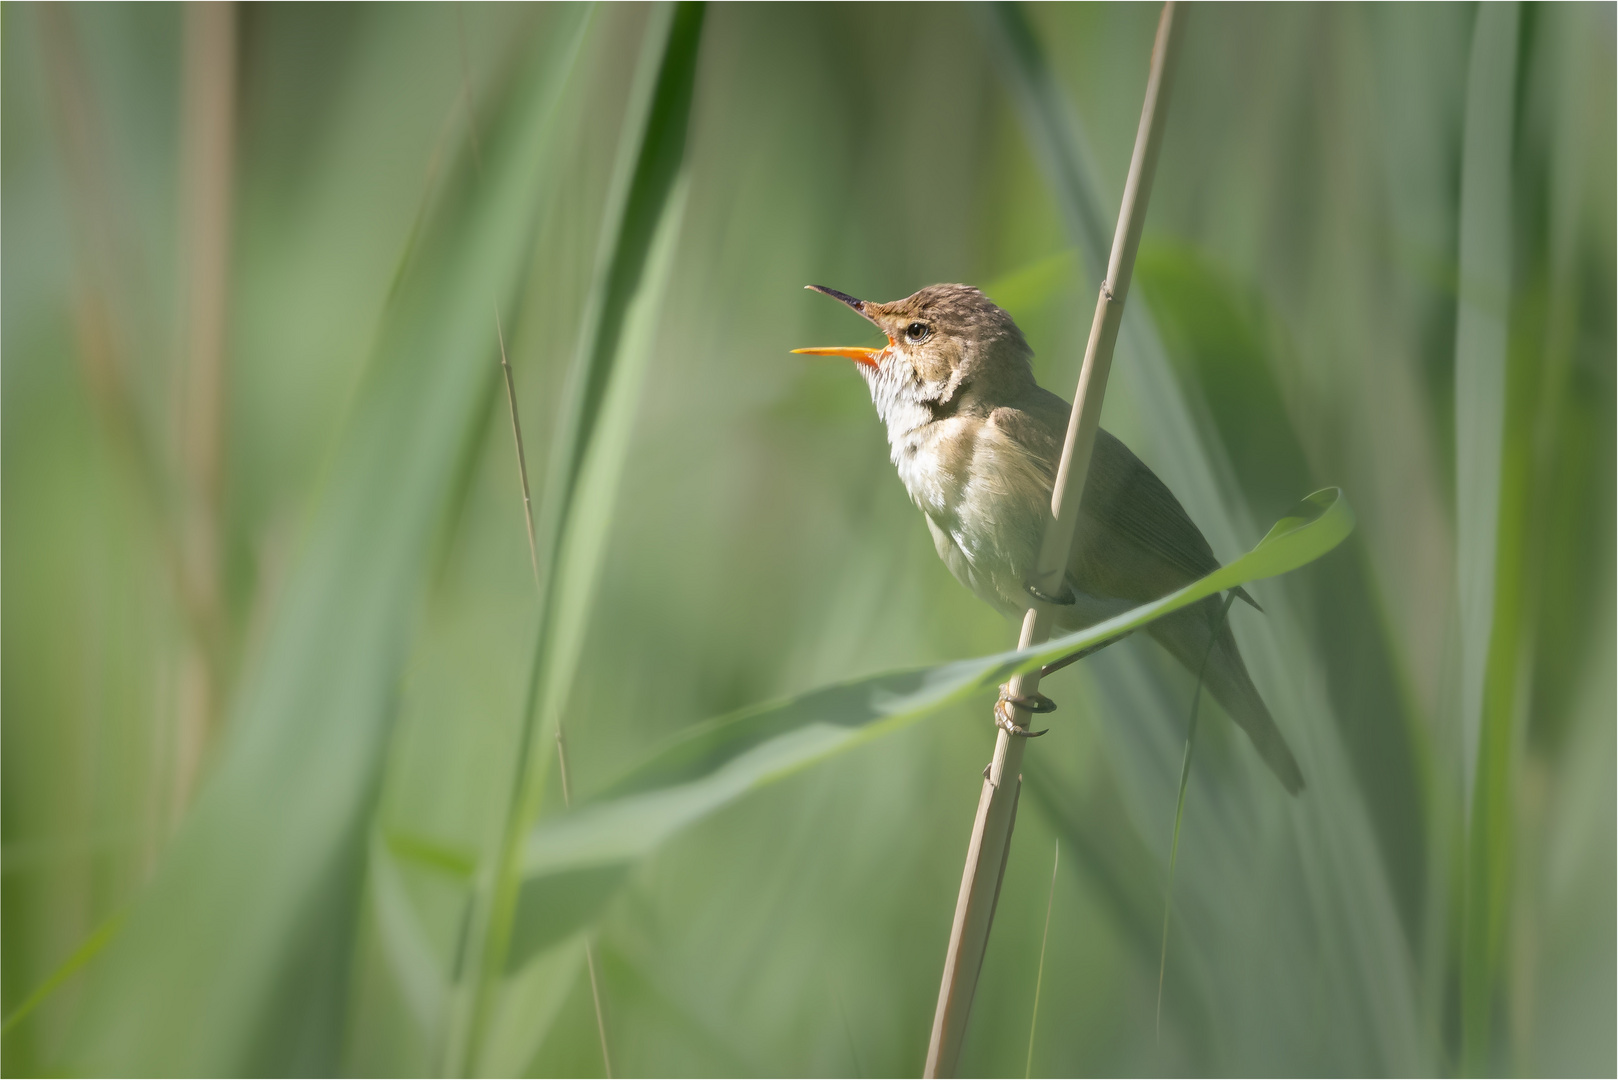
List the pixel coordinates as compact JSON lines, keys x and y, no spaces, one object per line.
{"x":868,"y":357}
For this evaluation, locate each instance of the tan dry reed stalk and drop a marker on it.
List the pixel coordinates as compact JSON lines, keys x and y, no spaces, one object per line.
{"x":206,"y":172}
{"x":997,"y":804}
{"x":104,"y":315}
{"x":113,"y":327}
{"x":561,"y":742}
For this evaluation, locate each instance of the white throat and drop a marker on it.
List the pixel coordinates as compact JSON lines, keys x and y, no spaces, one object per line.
{"x":916,"y":436}
{"x":896,"y":393}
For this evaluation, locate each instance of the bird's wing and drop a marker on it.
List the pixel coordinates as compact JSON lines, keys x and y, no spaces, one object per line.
{"x":1036,"y":426}
{"x":1130,"y":499}
{"x":1134,"y":539}
{"x":1125,"y":497}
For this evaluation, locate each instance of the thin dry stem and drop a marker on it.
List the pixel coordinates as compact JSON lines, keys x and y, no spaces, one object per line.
{"x":1179,"y":808}
{"x":522,"y":458}
{"x":561,"y":742}
{"x":589,"y":946}
{"x":1039,"y":979}
{"x":991,"y":831}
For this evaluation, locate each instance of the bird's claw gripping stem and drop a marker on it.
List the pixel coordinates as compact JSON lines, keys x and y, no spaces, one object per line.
{"x":1006,"y":719}
{"x":1063,"y":599}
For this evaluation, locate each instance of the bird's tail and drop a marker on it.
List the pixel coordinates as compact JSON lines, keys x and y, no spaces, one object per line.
{"x":1186,"y":635}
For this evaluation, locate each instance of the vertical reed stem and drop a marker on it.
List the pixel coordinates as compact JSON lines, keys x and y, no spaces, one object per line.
{"x":990,"y":845}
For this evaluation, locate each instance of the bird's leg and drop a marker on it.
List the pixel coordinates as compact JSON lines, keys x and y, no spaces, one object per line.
{"x":1058,"y":665}
{"x":1038,"y":703}
{"x":1006,"y":719}
{"x":1065,"y":599}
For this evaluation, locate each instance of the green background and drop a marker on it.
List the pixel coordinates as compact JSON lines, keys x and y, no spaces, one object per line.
{"x":275,"y":807}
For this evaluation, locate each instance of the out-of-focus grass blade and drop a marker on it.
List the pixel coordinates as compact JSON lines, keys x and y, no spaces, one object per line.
{"x":1035,"y":285}
{"x":1488,"y":637}
{"x":416,"y":971}
{"x":586,"y":539}
{"x":1179,"y":812}
{"x":586,"y":853}
{"x":528,"y":1007}
{"x":589,"y":446}
{"x":1315,"y":526}
{"x":1226,"y":342}
{"x":232,"y":961}
{"x":89,"y":950}
{"x":1118,"y":863}
{"x":432,"y":855}
{"x":1061,"y":152}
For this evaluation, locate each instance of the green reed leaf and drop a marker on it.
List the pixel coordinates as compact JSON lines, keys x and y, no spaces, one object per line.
{"x":571,"y":863}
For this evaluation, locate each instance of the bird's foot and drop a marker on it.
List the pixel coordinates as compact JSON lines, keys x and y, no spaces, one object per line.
{"x":1063,"y":599}
{"x":1057,"y":665}
{"x":1006,"y":719}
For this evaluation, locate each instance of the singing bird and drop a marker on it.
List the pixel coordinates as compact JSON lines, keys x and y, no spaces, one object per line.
{"x":976,"y":441}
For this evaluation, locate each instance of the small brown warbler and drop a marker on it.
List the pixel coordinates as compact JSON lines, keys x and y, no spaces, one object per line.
{"x":976,"y":441}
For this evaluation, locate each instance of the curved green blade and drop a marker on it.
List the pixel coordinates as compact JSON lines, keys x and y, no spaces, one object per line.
{"x":572,"y":863}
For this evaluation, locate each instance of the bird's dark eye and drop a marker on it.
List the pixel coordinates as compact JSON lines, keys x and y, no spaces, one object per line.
{"x":916,"y":333}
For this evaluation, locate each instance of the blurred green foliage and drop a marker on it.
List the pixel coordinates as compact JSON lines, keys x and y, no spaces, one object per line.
{"x":285,"y":810}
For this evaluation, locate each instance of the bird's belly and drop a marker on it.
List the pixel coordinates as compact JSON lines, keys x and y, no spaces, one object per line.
{"x":976,"y":577}
{"x":999,"y":583}
{"x":985,"y":500}
{"x":993,"y":558}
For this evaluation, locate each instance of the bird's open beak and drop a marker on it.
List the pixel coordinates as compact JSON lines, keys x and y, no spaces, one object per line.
{"x":868,"y":357}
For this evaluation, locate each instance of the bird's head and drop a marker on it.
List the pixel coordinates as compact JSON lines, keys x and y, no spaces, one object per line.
{"x":945,"y":343}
